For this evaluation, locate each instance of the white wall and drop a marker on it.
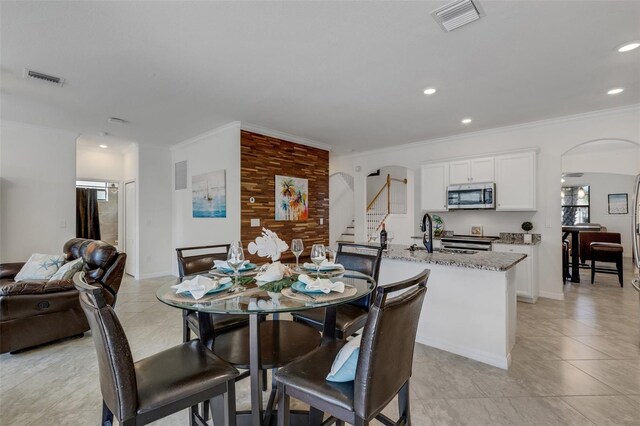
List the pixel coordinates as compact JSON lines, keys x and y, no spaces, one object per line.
{"x":99,"y":164}
{"x":601,"y":185}
{"x":622,"y":161}
{"x":38,"y":198}
{"x":215,"y":150}
{"x":552,"y":138}
{"x":154,"y":211}
{"x":340,"y":207}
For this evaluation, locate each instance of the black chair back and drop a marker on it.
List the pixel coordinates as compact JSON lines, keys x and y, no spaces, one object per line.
{"x":361,"y":258}
{"x":193,"y":264}
{"x":388,"y":340}
{"x":115,"y":362}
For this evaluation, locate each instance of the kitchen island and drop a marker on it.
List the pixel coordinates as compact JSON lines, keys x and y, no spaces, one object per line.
{"x":470,"y":306}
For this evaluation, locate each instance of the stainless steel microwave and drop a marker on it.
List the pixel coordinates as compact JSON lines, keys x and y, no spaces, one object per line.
{"x":472,"y":196}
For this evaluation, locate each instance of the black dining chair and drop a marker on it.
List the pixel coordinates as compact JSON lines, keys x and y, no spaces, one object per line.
{"x":140,"y":392}
{"x":350,"y":317}
{"x":383,"y":368}
{"x":203,"y":262}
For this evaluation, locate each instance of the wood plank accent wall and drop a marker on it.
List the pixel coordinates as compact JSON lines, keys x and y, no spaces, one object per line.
{"x":264,"y":157}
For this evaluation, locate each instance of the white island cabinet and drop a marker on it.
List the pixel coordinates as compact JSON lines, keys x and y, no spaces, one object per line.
{"x":526,"y":271}
{"x":470,"y":305}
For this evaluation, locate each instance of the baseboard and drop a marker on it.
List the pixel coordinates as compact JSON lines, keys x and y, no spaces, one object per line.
{"x":155,"y":275}
{"x":487,"y":358}
{"x":551,"y":295}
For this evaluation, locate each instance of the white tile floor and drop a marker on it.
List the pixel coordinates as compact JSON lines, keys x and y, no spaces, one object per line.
{"x":575,"y":362}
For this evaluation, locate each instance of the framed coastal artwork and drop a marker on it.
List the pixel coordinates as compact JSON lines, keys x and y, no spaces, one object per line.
{"x":618,"y":204}
{"x":292,"y":198}
{"x":209,"y":194}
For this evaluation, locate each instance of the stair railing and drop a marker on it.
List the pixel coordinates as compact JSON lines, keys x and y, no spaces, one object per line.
{"x":379,"y":208}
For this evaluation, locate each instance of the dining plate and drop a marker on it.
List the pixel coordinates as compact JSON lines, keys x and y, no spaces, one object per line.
{"x":302,"y":288}
{"x":222,"y":287}
{"x":246,"y":267}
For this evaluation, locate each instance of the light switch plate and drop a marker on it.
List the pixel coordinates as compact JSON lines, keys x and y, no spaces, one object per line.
{"x":255,"y":222}
{"x":321,"y":221}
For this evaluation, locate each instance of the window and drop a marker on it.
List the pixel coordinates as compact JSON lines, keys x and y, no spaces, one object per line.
{"x":575,"y":205}
{"x":101,"y":187}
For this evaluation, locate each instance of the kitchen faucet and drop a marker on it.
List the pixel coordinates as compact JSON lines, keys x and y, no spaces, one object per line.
{"x":427,"y":238}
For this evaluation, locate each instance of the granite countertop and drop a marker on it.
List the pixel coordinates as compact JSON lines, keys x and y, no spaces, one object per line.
{"x":483,"y":260}
{"x":517,"y":238}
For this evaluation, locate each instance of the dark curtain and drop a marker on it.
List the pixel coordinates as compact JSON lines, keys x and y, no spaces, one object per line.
{"x":87,"y":217}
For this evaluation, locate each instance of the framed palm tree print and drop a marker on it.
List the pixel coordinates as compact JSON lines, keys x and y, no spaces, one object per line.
{"x":292,"y":198}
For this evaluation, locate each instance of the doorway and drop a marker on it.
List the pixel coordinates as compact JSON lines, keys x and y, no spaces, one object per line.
{"x":130,"y":228}
{"x":97,"y":210}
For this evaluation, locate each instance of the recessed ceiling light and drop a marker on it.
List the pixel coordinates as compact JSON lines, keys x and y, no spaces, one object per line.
{"x":631,"y":45}
{"x":466,"y":120}
{"x":429,"y":91}
{"x":103,"y":146}
{"x":615,"y":91}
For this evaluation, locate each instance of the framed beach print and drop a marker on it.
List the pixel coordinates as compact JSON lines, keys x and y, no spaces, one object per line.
{"x":618,"y":204}
{"x":292,"y":198}
{"x":209,"y":194}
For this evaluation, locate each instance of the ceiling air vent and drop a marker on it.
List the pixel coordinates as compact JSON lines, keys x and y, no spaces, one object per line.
{"x":58,"y":81}
{"x":574,"y":175}
{"x":456,"y":14}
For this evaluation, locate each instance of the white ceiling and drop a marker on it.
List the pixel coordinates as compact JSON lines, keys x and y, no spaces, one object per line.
{"x":349,"y":74}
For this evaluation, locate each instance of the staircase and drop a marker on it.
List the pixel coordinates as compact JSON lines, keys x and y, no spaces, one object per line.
{"x":383,"y":205}
{"x":348,"y":236}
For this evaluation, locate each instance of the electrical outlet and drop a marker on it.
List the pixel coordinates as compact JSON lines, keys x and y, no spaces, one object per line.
{"x":255,"y":222}
{"x":321,"y":221}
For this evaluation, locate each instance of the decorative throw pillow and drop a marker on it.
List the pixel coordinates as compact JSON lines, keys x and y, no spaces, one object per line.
{"x":67,"y":270}
{"x":344,"y":366}
{"x":40,"y":267}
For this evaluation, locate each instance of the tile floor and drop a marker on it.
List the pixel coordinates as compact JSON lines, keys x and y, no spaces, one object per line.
{"x":575,"y":362}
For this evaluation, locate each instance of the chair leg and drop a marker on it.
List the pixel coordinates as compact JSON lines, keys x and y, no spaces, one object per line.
{"x":107,"y":415}
{"x":231,"y":402}
{"x":360,"y":422}
{"x":265,"y":386}
{"x":205,"y":411}
{"x":186,"y":332}
{"x":283,"y":406}
{"x":192,"y":415}
{"x":593,"y":269}
{"x":619,"y":267}
{"x":403,"y":404}
{"x":315,"y":416}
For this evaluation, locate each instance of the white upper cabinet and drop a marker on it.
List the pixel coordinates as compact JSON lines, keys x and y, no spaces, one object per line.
{"x":473,"y":170}
{"x":434,"y":180}
{"x":515,"y":176}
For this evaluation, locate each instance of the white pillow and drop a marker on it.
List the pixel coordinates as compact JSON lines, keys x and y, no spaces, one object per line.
{"x":344,"y":366}
{"x":40,"y":267}
{"x":67,"y":270}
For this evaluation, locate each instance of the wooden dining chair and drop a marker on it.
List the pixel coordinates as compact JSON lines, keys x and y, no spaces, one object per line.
{"x":203,"y":262}
{"x":383,"y":368}
{"x":140,"y":392}
{"x":350,"y":317}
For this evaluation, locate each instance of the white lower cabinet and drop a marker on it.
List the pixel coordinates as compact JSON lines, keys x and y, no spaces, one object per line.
{"x":526,"y":270}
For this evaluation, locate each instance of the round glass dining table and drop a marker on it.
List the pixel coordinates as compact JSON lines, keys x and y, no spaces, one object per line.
{"x":266,"y":344}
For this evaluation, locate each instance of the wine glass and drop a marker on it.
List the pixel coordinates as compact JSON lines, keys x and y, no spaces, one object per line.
{"x":297,"y":248}
{"x":235,"y":259}
{"x":318,"y":255}
{"x":390,"y":237}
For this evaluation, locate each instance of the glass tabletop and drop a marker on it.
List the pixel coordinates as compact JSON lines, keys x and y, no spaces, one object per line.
{"x":257,"y":300}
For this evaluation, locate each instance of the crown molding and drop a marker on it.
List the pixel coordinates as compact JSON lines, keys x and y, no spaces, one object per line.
{"x":285,"y":136}
{"x":497,"y":130}
{"x":217,"y":130}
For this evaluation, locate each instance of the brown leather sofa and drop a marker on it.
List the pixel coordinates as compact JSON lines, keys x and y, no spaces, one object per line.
{"x":37,"y":312}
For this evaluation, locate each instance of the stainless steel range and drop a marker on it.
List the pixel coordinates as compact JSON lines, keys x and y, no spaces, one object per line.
{"x":467,"y":242}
